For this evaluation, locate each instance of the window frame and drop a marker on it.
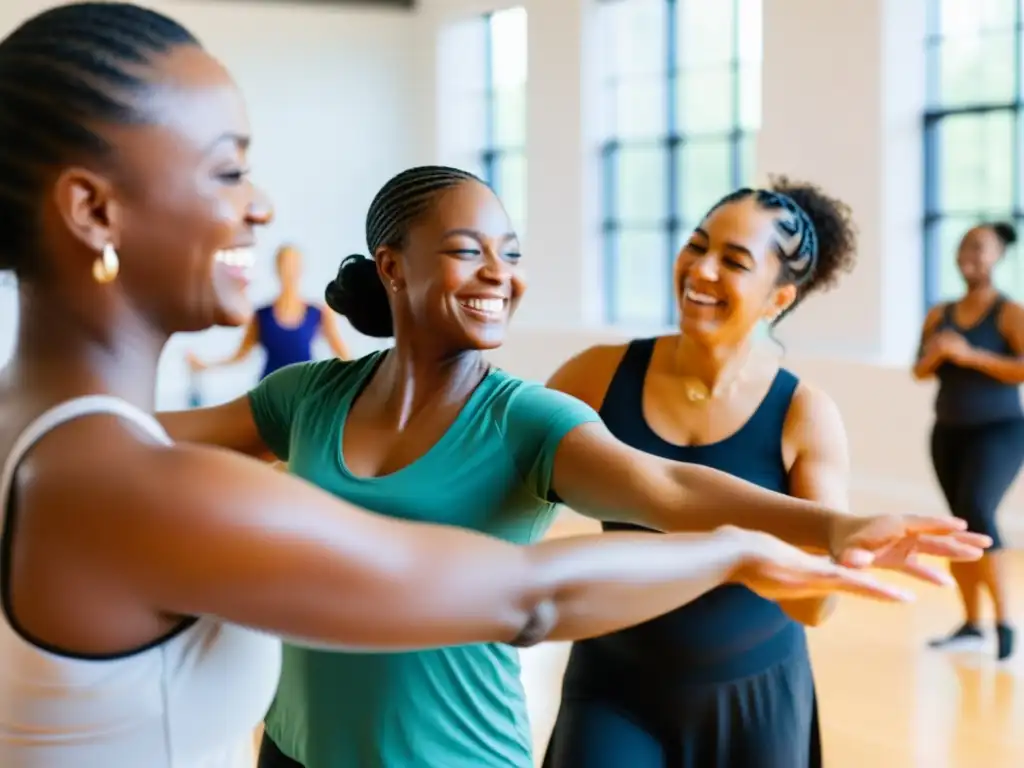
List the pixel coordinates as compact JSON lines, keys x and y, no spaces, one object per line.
{"x":491,"y":153}
{"x":672,"y":141}
{"x":933,"y":121}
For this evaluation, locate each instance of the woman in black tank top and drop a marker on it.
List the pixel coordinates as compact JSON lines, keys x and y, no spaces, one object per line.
{"x":725,"y":682}
{"x":974,"y":346}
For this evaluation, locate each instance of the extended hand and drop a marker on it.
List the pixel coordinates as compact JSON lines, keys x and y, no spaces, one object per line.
{"x":778,"y":571}
{"x":896,"y":541}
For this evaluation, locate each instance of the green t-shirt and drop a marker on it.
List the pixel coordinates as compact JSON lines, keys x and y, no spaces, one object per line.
{"x":461,"y":707}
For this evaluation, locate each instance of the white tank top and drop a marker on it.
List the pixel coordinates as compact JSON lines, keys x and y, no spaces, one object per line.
{"x":192,"y":701}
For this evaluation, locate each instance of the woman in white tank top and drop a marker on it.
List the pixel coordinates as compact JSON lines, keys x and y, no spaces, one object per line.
{"x":142,"y":583}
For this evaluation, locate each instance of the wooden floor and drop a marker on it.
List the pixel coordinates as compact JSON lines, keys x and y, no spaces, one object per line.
{"x":886,"y":700}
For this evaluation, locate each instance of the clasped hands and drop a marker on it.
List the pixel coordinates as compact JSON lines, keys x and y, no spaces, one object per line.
{"x":946,"y":345}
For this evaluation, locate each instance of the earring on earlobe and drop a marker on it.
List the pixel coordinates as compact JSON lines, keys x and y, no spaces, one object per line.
{"x":106,"y":266}
{"x":394,"y":287}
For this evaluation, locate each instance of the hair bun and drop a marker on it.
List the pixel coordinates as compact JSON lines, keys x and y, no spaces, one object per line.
{"x":1005,"y":232}
{"x":358,"y":294}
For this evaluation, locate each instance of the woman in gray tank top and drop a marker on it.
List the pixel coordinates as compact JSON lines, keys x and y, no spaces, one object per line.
{"x":975,"y":347}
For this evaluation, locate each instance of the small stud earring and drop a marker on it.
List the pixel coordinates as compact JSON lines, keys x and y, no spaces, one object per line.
{"x":394,"y":287}
{"x":106,"y":266}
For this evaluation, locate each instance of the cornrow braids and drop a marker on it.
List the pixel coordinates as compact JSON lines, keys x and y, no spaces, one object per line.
{"x":63,"y":73}
{"x":357,"y":292}
{"x":816,"y":236}
{"x":797,"y":241}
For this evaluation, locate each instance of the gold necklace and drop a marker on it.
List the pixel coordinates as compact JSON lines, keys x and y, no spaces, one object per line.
{"x":696,"y":391}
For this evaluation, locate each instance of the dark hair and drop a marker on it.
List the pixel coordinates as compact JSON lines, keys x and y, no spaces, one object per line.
{"x":63,"y":73}
{"x":357,"y":292}
{"x":818,"y":238}
{"x":1005,"y":231}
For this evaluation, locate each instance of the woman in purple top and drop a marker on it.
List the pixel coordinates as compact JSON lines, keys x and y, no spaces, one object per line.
{"x":285,"y":328}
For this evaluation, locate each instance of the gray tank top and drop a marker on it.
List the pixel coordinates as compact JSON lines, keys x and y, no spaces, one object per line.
{"x":968,"y":397}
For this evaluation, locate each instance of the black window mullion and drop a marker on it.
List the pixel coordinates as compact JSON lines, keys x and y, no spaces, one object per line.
{"x":609,"y":227}
{"x":673,"y":154}
{"x":736,"y":135}
{"x":489,"y":155}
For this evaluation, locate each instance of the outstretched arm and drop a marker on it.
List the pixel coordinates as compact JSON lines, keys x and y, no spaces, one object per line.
{"x":230,"y":426}
{"x":597,"y":475}
{"x":255,"y":547}
{"x":234,"y":425}
{"x":601,"y":477}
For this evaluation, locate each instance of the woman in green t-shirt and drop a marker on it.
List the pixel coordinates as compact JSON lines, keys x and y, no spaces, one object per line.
{"x":429,"y":431}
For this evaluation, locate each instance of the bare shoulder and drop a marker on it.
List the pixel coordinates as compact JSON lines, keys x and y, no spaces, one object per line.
{"x":813,"y":418}
{"x":587,"y":375}
{"x":1012,"y":314}
{"x":98,"y":470}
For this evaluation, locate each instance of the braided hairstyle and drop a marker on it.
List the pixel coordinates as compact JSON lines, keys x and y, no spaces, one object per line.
{"x":63,"y":74}
{"x":357,"y":292}
{"x":817,"y":239}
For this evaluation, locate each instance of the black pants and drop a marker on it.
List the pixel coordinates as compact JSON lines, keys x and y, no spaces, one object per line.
{"x":975,"y":465}
{"x":272,"y":757}
{"x":768,"y":720}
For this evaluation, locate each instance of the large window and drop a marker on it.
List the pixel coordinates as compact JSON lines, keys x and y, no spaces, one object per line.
{"x":682,"y":97}
{"x":503,"y":157}
{"x":972,"y":133}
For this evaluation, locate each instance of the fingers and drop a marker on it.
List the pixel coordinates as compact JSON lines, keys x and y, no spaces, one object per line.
{"x":930,"y":574}
{"x":864,"y":585}
{"x":825,"y":578}
{"x":927,"y":524}
{"x":861,"y":584}
{"x":961,"y":546}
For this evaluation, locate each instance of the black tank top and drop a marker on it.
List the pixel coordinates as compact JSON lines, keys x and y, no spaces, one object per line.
{"x":968,"y":397}
{"x":730,"y":632}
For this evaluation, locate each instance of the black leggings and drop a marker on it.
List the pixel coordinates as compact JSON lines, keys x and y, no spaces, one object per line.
{"x":767,"y":720}
{"x":975,"y":466}
{"x":272,"y":757}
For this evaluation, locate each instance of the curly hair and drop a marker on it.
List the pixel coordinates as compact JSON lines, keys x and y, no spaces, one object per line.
{"x":820,"y":238}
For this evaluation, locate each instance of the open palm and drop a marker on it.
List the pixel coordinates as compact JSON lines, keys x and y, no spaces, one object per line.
{"x":896,"y":542}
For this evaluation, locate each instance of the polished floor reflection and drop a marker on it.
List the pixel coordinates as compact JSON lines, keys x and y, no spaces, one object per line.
{"x":886,"y":700}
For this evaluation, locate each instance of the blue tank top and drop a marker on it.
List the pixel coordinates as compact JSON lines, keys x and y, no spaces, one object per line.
{"x":730,"y":632}
{"x":968,"y":397}
{"x":286,"y":345}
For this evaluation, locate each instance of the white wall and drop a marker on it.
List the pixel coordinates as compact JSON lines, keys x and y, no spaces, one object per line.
{"x":330,"y":98}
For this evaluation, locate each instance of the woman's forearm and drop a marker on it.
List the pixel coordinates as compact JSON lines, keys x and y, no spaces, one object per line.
{"x":1009,"y":370}
{"x":603,"y":583}
{"x":712,"y":498}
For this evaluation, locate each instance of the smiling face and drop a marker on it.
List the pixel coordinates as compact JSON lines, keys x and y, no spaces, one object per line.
{"x":979,"y":251}
{"x":727,"y":274}
{"x":458,"y":271}
{"x":178,"y":207}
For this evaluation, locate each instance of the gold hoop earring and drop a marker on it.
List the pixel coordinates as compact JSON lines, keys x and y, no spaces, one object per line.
{"x":106,"y":266}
